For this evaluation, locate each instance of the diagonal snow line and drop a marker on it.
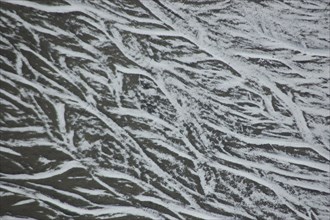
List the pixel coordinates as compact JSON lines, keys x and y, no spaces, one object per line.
{"x":62,"y":168}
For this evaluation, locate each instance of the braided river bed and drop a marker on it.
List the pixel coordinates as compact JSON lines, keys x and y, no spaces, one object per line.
{"x":164,"y":109}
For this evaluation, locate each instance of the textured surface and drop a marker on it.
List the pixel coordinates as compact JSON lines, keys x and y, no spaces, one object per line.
{"x":164,"y":109}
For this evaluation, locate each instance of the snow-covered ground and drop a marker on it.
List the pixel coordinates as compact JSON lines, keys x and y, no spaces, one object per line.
{"x":164,"y":109}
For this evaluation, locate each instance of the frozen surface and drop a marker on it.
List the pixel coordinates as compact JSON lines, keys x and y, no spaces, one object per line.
{"x":164,"y":109}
